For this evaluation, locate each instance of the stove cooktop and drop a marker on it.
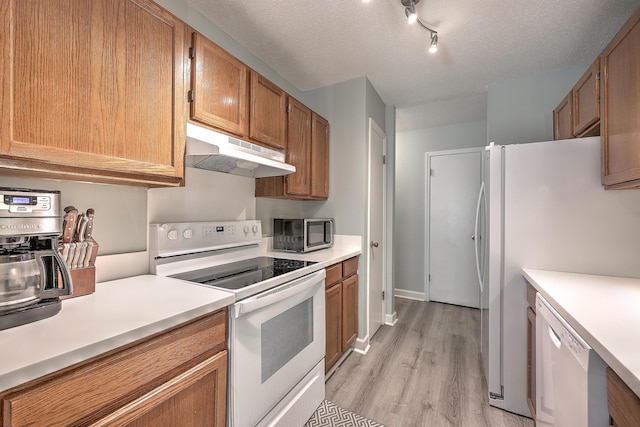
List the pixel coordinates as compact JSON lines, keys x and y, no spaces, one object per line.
{"x":240,"y":274}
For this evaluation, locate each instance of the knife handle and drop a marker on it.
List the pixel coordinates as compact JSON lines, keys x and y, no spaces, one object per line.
{"x":89,"y":229}
{"x":69,"y":224}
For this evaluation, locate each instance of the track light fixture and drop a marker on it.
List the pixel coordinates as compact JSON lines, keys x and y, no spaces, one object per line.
{"x":412,"y":16}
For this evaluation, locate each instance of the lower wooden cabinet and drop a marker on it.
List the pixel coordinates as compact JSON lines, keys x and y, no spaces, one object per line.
{"x":623,"y":403}
{"x":531,"y":350}
{"x":341,"y":286}
{"x":178,"y":377}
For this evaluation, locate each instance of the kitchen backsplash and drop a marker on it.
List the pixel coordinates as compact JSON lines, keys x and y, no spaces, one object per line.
{"x":121,"y":211}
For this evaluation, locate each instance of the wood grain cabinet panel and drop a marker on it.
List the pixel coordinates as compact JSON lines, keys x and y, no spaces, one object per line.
{"x":531,"y":350}
{"x":586,"y":104}
{"x":267,"y":123}
{"x":620,"y":107}
{"x":562,"y":119}
{"x":299,"y":148}
{"x":93,"y":89}
{"x":333,"y":345}
{"x":220,"y":88}
{"x":319,"y":157}
{"x":341,"y":309}
{"x":196,"y":398}
{"x":166,"y":374}
{"x":623,"y":403}
{"x":349,"y":311}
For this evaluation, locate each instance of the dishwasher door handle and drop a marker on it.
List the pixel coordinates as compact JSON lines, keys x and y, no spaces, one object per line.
{"x":555,"y":338}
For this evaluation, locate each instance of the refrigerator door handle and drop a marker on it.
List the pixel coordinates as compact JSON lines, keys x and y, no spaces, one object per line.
{"x":478,"y":241}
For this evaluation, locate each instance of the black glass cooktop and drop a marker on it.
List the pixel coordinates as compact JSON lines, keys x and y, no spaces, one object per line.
{"x":240,"y":274}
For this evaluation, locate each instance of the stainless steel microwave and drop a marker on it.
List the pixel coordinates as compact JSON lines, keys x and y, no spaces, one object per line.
{"x":302,"y":235}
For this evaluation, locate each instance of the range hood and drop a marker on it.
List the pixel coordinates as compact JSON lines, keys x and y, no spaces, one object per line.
{"x":214,"y":151}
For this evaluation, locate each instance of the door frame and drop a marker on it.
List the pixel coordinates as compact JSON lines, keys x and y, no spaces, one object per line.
{"x":427,"y":200}
{"x":373,"y":127}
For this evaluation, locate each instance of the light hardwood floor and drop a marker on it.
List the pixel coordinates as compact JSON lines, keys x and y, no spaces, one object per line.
{"x":424,"y":371}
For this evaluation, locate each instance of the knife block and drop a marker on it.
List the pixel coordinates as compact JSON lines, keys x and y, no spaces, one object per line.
{"x":84,"y":281}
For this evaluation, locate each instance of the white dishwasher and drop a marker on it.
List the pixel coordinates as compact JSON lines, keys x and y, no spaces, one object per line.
{"x":571,"y":389}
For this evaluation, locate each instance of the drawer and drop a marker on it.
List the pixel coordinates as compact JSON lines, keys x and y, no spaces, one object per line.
{"x":92,"y":389}
{"x":334,"y":274}
{"x":350,"y":266}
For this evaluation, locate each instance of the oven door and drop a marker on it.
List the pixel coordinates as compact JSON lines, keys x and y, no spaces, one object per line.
{"x":276,"y":338}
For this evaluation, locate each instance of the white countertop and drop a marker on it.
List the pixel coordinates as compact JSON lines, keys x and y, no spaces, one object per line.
{"x":118,"y":313}
{"x":123,"y":311}
{"x":604,"y":310}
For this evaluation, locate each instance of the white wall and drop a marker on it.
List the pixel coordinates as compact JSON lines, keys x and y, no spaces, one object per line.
{"x":409,"y":232}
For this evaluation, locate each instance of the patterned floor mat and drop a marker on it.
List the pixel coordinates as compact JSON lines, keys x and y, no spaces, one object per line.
{"x":329,"y":414}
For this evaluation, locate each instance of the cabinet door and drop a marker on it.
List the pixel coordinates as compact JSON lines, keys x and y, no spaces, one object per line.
{"x":562,"y":122}
{"x":197,"y":397}
{"x":620,"y":103}
{"x":93,"y":89}
{"x":319,"y":157}
{"x":349,"y":311}
{"x":220,"y":88}
{"x":299,"y":148}
{"x":586,"y":107}
{"x":268,"y":118}
{"x":333,"y":301}
{"x":531,"y":361}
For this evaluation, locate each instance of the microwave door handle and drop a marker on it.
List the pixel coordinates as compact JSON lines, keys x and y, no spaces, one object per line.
{"x":278,"y":294}
{"x":328,"y":231}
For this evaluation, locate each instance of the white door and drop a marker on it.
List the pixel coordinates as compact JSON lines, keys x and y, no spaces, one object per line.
{"x":376,"y":251}
{"x":453,"y":182}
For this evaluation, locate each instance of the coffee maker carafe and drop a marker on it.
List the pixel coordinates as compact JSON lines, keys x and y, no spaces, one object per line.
{"x":32,"y":273}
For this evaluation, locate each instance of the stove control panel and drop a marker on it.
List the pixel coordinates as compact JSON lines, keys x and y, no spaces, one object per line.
{"x":176,"y":238}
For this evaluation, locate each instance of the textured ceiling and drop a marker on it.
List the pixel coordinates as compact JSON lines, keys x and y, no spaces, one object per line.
{"x":315,"y":43}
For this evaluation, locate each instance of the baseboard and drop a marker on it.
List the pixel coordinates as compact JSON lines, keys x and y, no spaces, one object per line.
{"x":391,"y":319}
{"x":403,"y":293}
{"x":361,"y":345}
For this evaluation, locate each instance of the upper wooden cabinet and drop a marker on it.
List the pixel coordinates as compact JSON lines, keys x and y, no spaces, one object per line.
{"x":92,"y":90}
{"x":620,"y":107}
{"x":219,"y":87}
{"x":562,"y":118}
{"x":299,"y":148}
{"x":586,"y":102}
{"x":308,"y":151}
{"x":319,"y":157}
{"x":268,"y":120}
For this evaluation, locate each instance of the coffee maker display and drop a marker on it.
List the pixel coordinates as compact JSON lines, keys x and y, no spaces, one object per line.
{"x":33,"y":276}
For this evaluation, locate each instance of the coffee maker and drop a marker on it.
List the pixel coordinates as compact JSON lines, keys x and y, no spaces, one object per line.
{"x":33,"y":276}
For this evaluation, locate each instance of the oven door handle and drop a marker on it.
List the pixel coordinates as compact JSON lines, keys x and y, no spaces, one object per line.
{"x":278,"y":294}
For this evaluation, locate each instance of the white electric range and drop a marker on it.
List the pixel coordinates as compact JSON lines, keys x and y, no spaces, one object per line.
{"x":276,"y":326}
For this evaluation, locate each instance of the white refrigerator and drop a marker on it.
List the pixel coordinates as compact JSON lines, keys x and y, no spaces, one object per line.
{"x":542,"y":206}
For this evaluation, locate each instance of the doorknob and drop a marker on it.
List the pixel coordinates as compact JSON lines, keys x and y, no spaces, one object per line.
{"x":473,"y":237}
{"x":374,"y":244}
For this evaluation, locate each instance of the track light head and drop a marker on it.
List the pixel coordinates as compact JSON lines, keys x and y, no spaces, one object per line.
{"x":410,"y":11}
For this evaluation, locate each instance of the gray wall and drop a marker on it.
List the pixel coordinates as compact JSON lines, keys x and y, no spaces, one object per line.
{"x":518,"y":111}
{"x":521,"y":110}
{"x":409,"y":232}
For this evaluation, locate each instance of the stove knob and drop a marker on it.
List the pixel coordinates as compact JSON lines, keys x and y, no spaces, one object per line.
{"x":188,"y":233}
{"x":246,"y":229}
{"x":255,"y":229}
{"x":172,"y":234}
